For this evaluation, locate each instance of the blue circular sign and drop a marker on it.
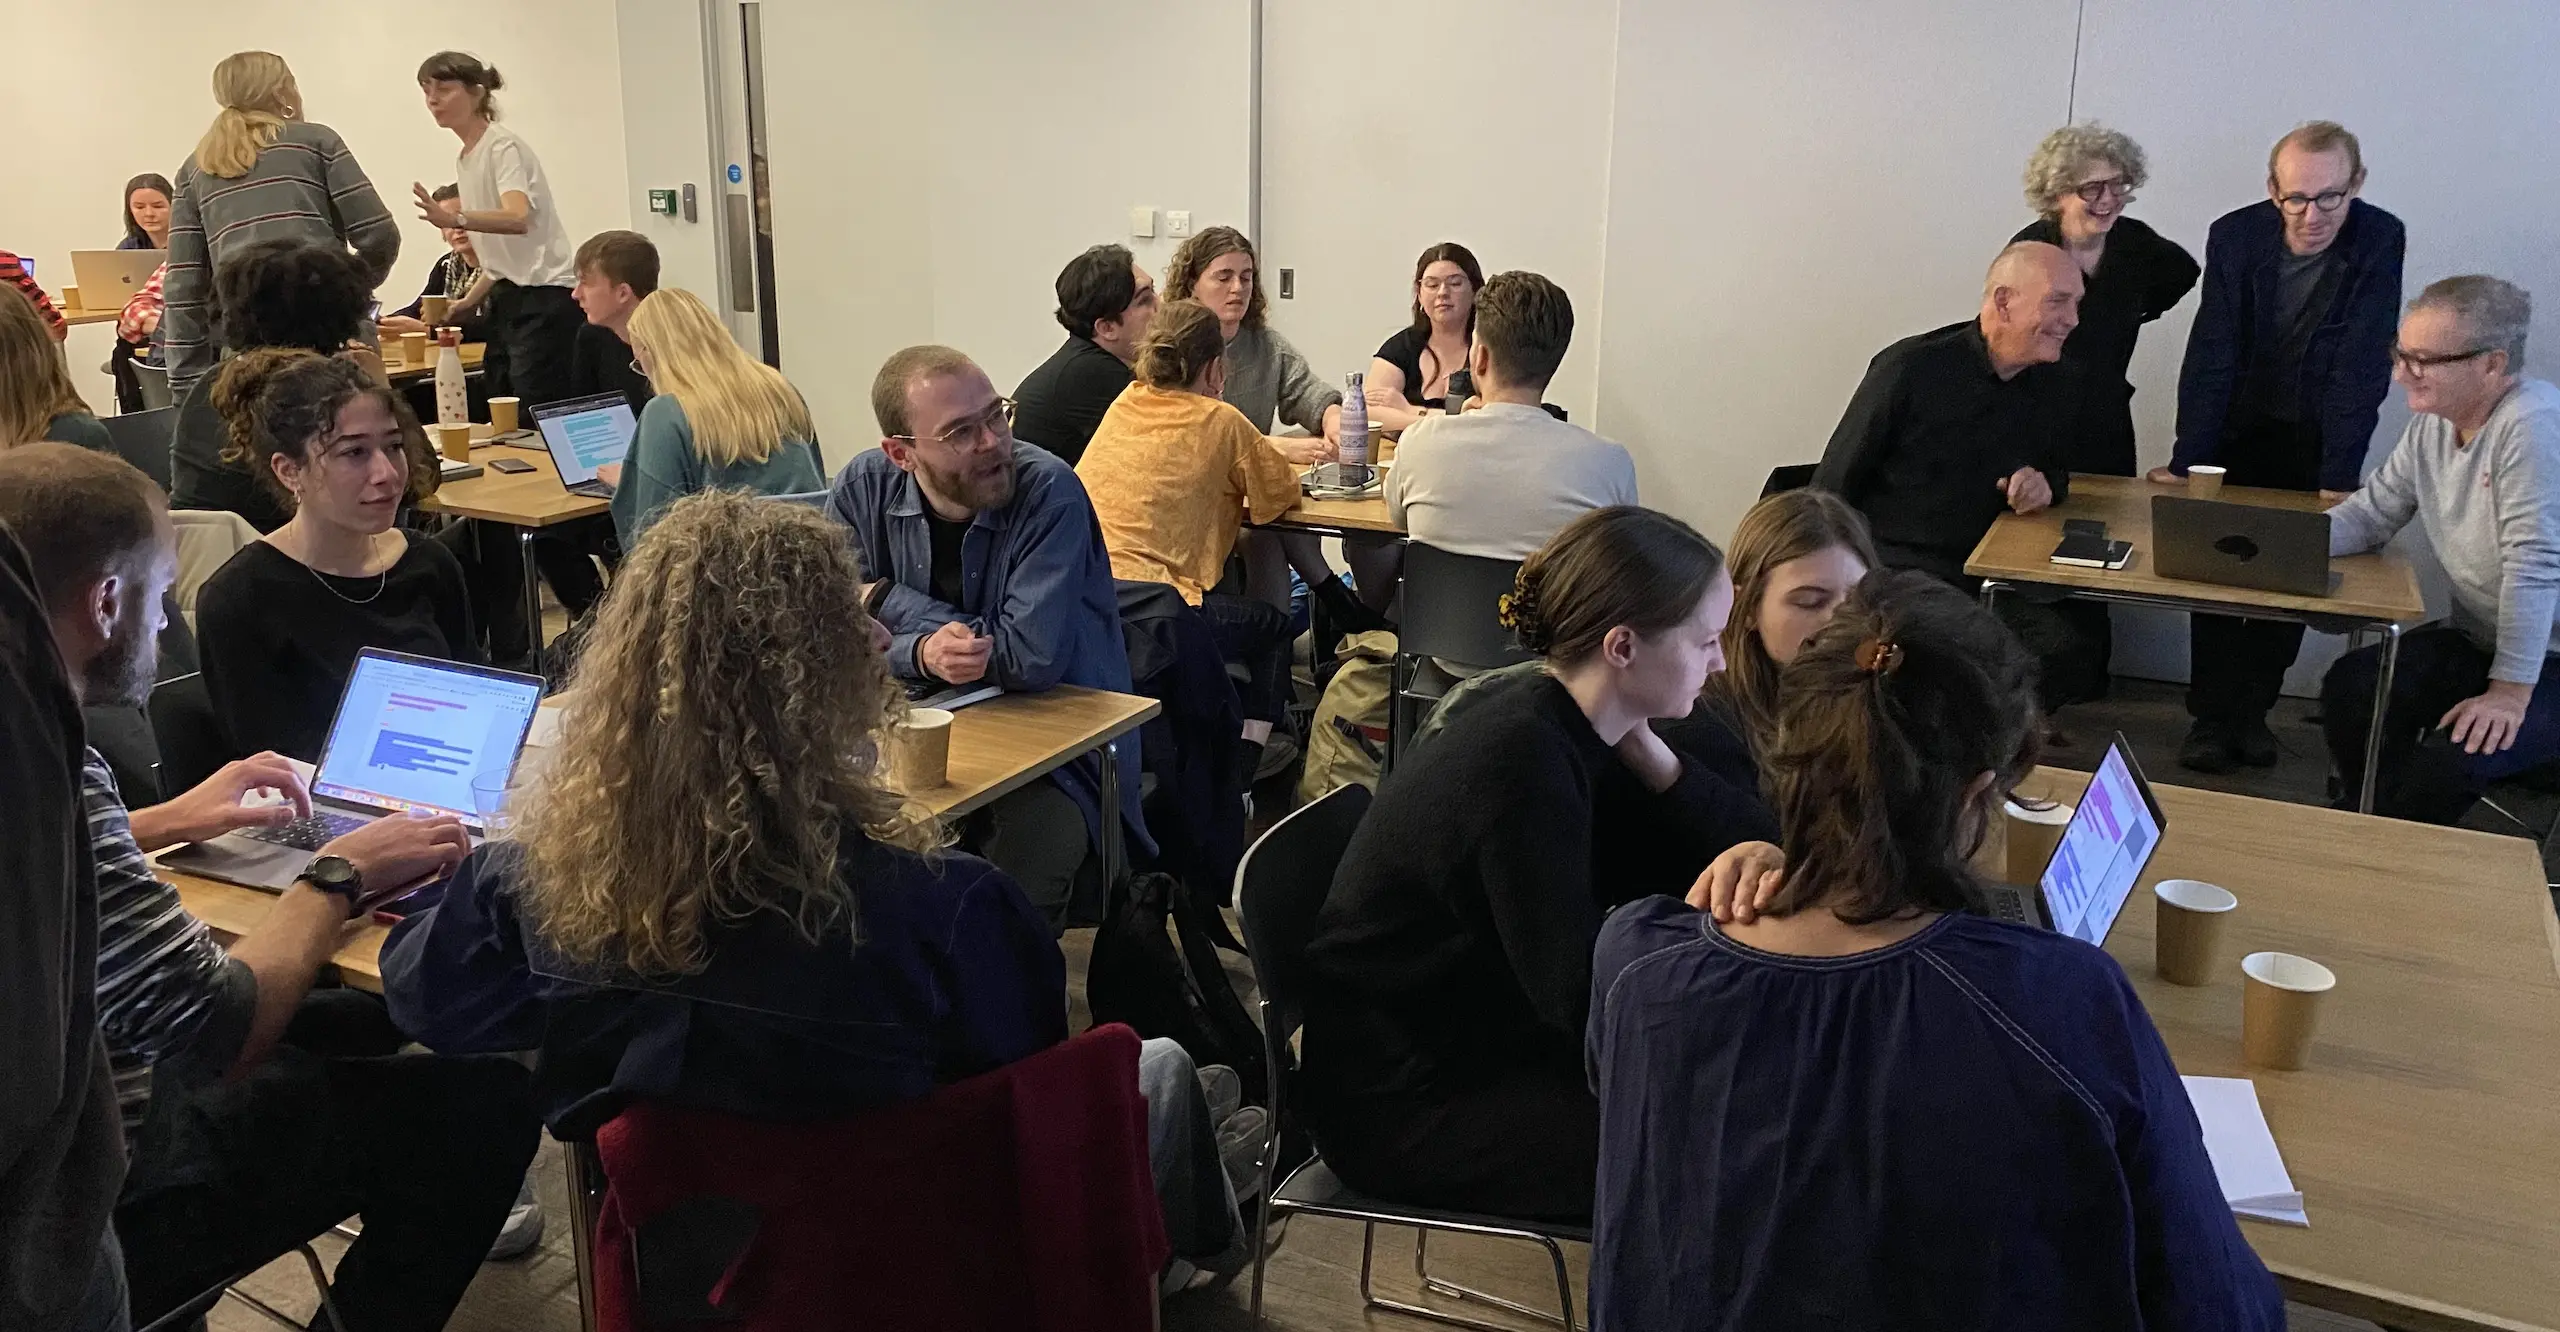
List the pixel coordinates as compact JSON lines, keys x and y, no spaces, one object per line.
{"x":735,"y":175}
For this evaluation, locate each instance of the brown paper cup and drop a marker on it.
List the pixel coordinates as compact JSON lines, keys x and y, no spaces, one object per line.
{"x":2032,"y":835}
{"x":453,"y":441}
{"x":920,"y":750}
{"x":2280,"y":1007}
{"x":413,"y":349}
{"x":502,"y":415}
{"x":433,"y":309}
{"x":2204,"y":482}
{"x":2188,"y":933}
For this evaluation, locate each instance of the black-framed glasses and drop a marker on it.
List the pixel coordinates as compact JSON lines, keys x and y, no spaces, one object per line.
{"x":990,"y":424}
{"x":2096,"y":190}
{"x":2418,"y":363}
{"x":2327,"y":201}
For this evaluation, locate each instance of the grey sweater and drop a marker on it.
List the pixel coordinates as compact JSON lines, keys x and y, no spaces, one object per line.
{"x":1268,"y":379}
{"x":2491,"y":509}
{"x":305,"y":186}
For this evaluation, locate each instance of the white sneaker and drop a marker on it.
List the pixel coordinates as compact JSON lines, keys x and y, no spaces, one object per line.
{"x":523,"y":1229}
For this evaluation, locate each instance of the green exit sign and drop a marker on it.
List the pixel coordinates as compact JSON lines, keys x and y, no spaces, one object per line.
{"x":663,"y":201}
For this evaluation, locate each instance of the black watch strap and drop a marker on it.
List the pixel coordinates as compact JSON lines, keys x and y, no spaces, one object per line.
{"x":335,"y":875}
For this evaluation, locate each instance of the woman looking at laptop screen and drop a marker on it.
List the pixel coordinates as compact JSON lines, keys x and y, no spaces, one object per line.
{"x":281,"y":623}
{"x":721,"y":420}
{"x":1866,"y":1106}
{"x":146,"y":227}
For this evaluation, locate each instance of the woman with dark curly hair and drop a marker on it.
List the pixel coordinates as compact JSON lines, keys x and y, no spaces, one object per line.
{"x":281,"y":623}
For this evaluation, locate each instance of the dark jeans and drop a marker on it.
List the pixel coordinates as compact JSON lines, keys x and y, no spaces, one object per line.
{"x":533,"y":335}
{"x":2425,"y":776}
{"x":1253,"y":634}
{"x":1526,"y":1147}
{"x":431,"y":1150}
{"x":2235,"y":667}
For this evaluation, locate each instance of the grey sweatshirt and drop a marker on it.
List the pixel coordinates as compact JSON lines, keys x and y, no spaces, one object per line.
{"x":2491,"y":509}
{"x":1267,"y":376}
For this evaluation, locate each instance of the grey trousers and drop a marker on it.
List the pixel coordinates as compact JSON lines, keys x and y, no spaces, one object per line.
{"x":1191,"y":1181}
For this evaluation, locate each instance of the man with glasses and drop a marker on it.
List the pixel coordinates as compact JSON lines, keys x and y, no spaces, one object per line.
{"x":2286,"y":369}
{"x":992,"y":570}
{"x":2478,"y":467}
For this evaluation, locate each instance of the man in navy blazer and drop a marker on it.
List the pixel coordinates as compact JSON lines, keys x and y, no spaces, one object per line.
{"x":2286,"y":370}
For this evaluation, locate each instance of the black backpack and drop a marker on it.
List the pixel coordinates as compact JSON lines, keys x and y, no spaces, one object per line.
{"x":1139,"y":977}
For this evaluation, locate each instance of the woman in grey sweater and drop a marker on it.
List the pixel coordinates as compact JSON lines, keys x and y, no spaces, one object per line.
{"x":1267,"y":379}
{"x":260,"y":173}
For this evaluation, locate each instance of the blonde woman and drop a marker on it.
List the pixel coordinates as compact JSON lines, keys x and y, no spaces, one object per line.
{"x":37,"y":400}
{"x":721,"y":419}
{"x":261,"y":172}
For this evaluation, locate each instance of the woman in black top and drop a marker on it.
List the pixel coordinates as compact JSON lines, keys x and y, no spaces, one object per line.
{"x":281,"y":623}
{"x":2079,"y":181}
{"x":1796,"y":557}
{"x":1453,"y":954}
{"x":1411,"y":370}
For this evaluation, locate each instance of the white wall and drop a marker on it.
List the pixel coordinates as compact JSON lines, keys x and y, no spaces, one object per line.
{"x":667,"y":137}
{"x":103,"y":92}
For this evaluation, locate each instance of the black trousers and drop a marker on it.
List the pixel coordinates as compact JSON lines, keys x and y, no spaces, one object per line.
{"x":1525,"y":1146}
{"x":533,"y":334}
{"x":2235,"y":667}
{"x":2425,"y":776}
{"x":430,"y":1149}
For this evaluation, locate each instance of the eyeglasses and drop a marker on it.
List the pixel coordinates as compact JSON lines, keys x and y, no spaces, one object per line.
{"x":2096,"y":190}
{"x":2327,"y":201}
{"x":2418,"y":363}
{"x":994,"y":423}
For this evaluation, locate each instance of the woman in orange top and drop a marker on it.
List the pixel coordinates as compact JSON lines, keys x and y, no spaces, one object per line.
{"x":1173,"y":473}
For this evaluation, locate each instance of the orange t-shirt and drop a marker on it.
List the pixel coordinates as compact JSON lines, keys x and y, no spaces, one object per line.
{"x":1172,"y":475}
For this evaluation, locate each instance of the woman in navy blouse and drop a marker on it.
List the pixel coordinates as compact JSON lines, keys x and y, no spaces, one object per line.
{"x":1865,"y":1107}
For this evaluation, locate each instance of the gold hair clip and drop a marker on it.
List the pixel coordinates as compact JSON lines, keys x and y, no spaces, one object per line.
{"x":1880,"y":656}
{"x":1505,"y":611}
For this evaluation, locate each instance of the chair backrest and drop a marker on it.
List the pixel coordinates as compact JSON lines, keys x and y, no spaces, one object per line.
{"x":1279,"y":889}
{"x":153,"y":381}
{"x":207,"y":539}
{"x":190,"y":735}
{"x":1450,"y":607}
{"x":1793,"y":476}
{"x":142,"y":438}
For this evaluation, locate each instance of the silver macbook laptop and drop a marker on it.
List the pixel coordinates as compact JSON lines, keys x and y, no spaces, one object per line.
{"x":585,"y":434}
{"x":109,"y":278}
{"x":2101,"y":856}
{"x":410,"y":734}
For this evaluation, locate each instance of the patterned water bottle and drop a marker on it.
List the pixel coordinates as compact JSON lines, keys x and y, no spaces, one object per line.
{"x":453,"y":392}
{"x":1355,"y":430}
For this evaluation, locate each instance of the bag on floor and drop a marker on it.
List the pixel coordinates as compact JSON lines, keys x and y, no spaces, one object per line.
{"x":1347,"y":741}
{"x":1139,"y":976}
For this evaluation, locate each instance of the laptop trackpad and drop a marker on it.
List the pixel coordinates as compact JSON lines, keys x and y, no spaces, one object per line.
{"x":243,"y":860}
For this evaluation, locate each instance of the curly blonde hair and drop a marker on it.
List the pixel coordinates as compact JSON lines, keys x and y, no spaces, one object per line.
{"x":721,"y":750}
{"x":2053,"y":170}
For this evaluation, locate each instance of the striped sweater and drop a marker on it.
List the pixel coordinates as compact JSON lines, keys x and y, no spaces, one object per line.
{"x":306,"y":185}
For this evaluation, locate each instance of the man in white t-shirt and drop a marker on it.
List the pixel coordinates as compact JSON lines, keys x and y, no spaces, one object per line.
{"x":1502,"y":478}
{"x":524,"y":250}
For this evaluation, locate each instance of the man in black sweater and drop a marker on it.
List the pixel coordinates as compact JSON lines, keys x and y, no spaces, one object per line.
{"x":1105,"y":302}
{"x":616,"y":271}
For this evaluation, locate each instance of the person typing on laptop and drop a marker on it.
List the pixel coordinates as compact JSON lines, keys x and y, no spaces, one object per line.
{"x":246,"y":1134}
{"x":997,"y":574}
{"x":721,"y":419}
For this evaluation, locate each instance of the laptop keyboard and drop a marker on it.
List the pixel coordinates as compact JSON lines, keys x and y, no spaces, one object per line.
{"x":2009,"y":906}
{"x":309,"y":833}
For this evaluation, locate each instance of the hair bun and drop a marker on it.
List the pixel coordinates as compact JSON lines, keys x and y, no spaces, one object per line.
{"x":1517,"y":611}
{"x":490,"y":78}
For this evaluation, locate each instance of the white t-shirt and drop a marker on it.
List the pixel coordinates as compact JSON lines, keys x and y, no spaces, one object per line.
{"x":1499,"y":481}
{"x":503,"y":162}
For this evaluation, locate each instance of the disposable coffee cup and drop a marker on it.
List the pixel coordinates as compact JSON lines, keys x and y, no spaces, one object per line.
{"x":2280,"y":1007}
{"x":413,"y":349}
{"x":454,"y":441}
{"x":2204,"y":482}
{"x":502,"y":415}
{"x":2033,"y":834}
{"x":433,"y":309}
{"x":920,"y":750}
{"x":2188,"y":933}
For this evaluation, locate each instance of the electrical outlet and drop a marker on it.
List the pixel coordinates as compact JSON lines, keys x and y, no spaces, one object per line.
{"x":1288,"y":283}
{"x":1178,"y":222}
{"x":1142,"y":222}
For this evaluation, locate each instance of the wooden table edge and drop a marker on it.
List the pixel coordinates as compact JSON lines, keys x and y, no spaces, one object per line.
{"x":986,"y":796}
{"x":2356,"y":1299}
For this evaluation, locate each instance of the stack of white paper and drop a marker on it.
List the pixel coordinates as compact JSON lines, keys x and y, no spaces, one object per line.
{"x":2245,"y":1159}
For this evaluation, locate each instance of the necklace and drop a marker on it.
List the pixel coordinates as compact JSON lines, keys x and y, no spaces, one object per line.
{"x":380,"y":584}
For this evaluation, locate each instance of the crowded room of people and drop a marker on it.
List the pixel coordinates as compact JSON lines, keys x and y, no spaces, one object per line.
{"x":776,"y":665}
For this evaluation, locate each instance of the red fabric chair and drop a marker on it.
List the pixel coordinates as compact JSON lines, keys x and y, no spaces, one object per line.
{"x":1019,"y":1199}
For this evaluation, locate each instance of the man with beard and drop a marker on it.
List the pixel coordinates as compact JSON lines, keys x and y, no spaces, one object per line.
{"x":245,"y":1136}
{"x":992,"y":570}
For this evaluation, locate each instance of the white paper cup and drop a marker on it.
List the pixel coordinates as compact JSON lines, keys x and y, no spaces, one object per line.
{"x":2280,"y":1007}
{"x":2188,"y":930}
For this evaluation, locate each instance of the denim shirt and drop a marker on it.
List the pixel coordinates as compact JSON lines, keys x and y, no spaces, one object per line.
{"x":1034,"y":577}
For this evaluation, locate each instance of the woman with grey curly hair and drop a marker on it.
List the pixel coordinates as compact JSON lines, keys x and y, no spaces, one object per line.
{"x":2079,"y":180}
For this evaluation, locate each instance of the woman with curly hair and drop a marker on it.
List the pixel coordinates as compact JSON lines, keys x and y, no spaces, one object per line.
{"x":281,"y":623}
{"x":2078,"y":182}
{"x":1444,"y":1040}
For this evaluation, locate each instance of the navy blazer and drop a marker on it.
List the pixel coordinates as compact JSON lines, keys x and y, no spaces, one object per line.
{"x":2346,"y":371}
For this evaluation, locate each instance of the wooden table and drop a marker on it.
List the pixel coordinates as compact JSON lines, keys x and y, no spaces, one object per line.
{"x":2425,"y":1134}
{"x":2375,"y":592}
{"x":525,"y":501}
{"x":1339,"y":517}
{"x":402,"y":372}
{"x":74,"y":316}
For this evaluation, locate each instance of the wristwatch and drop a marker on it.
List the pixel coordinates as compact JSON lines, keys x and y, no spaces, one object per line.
{"x":336,"y":875}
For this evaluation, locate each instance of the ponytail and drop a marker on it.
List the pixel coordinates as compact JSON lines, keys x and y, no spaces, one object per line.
{"x":255,"y":90}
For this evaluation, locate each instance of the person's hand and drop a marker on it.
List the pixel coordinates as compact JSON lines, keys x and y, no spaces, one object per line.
{"x":218,"y":803}
{"x":435,"y":212}
{"x":1381,"y":398}
{"x":370,"y":358}
{"x":1651,"y":760}
{"x":2333,"y":498}
{"x":398,"y":852}
{"x":2027,"y":490}
{"x":955,"y":654}
{"x":2162,"y":476}
{"x":1740,"y":882}
{"x":1305,"y":450}
{"x":610,"y":474}
{"x":2488,"y":724}
{"x":150,"y":322}
{"x":398,"y":324}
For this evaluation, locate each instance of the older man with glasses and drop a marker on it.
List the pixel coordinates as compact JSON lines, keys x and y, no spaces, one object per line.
{"x":2478,"y":468}
{"x":2286,"y":370}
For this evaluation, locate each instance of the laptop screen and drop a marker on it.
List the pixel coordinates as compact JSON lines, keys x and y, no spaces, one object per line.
{"x":412,"y":732}
{"x":2111,"y":837}
{"x":584,"y":434}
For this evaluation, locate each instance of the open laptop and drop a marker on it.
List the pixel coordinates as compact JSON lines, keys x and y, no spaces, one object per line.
{"x":585,"y":434}
{"x":2241,"y":545}
{"x":109,"y":278}
{"x":2100,"y":857}
{"x":410,"y":734}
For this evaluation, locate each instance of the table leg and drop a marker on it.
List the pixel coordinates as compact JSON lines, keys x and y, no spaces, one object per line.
{"x":1113,"y":854}
{"x":532,"y":595}
{"x":2381,"y":710}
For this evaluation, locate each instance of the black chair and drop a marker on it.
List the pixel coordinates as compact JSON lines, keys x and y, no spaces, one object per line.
{"x":191,"y":1314}
{"x":142,"y":438}
{"x":1794,"y":476}
{"x":1451,"y":610}
{"x":192,"y":744}
{"x":1279,"y":888}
